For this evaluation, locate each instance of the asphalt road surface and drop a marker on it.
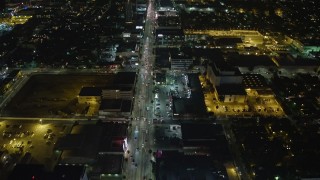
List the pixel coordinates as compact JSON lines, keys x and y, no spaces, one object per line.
{"x":140,"y":140}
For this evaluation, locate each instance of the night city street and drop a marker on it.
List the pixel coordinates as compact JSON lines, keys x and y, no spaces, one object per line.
{"x":159,"y":89}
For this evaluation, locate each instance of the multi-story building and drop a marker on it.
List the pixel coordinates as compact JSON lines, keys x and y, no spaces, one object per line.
{"x":115,"y":99}
{"x":169,"y":37}
{"x":231,"y":93}
{"x":121,"y":88}
{"x":226,"y":81}
{"x":116,"y":92}
{"x":180,"y":61}
{"x":220,"y":74}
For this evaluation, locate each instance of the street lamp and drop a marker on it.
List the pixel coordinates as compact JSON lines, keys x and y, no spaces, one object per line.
{"x":40,"y":121}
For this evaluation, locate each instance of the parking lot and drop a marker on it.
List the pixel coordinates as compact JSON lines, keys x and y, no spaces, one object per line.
{"x":52,"y":95}
{"x":176,"y":86}
{"x":29,"y":142}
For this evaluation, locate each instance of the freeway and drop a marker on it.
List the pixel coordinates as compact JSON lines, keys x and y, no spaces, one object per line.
{"x":140,"y":140}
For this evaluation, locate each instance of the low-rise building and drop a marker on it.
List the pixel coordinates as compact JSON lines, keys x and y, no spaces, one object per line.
{"x":100,"y":146}
{"x":162,"y":57}
{"x":205,"y":139}
{"x":228,"y":43}
{"x":304,"y":46}
{"x":256,"y":85}
{"x":89,"y":95}
{"x":38,"y":171}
